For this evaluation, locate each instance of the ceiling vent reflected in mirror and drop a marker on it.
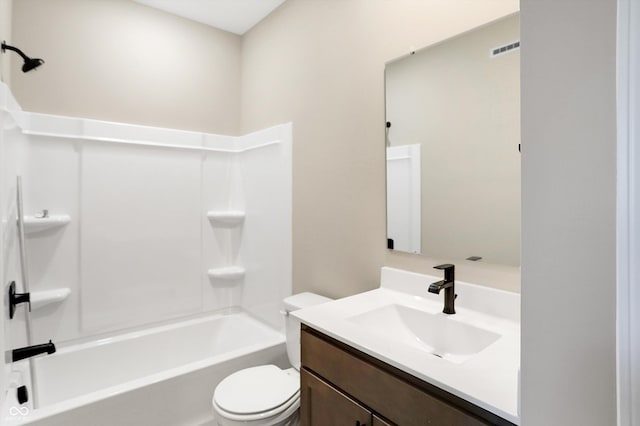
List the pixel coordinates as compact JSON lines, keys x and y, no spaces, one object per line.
{"x":501,"y":50}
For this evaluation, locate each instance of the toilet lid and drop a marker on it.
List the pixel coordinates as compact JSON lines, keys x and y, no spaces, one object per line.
{"x":257,"y":389}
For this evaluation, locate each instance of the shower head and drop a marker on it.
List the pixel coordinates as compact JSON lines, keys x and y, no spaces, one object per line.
{"x":29,"y":63}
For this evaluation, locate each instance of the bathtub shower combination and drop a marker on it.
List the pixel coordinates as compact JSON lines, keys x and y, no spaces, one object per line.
{"x":163,"y":375}
{"x":156,"y":260}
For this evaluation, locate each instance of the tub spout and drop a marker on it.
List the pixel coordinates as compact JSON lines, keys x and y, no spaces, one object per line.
{"x":29,"y":351}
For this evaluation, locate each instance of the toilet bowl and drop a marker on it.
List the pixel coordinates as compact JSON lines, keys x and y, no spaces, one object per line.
{"x":266,"y":395}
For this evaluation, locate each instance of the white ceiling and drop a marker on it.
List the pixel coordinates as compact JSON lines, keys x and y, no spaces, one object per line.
{"x":235,"y":16}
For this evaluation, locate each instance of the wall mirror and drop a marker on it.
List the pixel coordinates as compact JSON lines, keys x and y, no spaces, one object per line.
{"x":453,"y":139}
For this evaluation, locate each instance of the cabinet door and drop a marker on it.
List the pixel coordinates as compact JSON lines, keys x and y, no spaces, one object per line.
{"x":323,"y":405}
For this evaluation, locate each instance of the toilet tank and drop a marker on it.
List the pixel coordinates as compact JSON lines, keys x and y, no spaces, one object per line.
{"x":292,"y":324}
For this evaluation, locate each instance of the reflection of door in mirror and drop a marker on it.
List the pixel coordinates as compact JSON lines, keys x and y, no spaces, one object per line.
{"x":459,"y":101}
{"x":403,"y":198}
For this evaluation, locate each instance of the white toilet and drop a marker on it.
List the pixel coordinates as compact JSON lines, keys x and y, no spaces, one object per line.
{"x":266,"y":395}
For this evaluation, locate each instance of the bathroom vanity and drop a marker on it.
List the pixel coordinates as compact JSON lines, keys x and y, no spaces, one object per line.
{"x":344,"y":386}
{"x":391,"y":357}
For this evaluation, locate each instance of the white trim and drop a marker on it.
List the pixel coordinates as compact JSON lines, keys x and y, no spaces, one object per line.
{"x":410,"y":154}
{"x":416,"y":194}
{"x":91,"y":130}
{"x":144,"y":143}
{"x":628,"y":200}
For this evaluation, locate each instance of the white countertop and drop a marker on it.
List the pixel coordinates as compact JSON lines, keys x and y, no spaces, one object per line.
{"x":489,"y":379}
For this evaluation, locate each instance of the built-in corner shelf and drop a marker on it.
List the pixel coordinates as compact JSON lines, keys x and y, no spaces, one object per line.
{"x":34,"y":224}
{"x":226,"y":218}
{"x":228,"y":274}
{"x":40,"y":299}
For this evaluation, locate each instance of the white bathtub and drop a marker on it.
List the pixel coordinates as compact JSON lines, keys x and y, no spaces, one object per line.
{"x":160,"y":376}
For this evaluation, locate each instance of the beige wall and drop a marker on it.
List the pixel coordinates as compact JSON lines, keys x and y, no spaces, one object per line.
{"x":320,"y":64}
{"x":568,"y":212}
{"x":120,"y":61}
{"x":5,"y":34}
{"x":463,"y":107}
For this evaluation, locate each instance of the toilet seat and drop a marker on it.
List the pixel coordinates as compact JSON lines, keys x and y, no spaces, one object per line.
{"x":265,"y":418}
{"x":261,"y":393}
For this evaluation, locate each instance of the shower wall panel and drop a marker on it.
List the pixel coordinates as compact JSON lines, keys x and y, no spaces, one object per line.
{"x":51,"y":181}
{"x":11,"y":154}
{"x":140,"y":235}
{"x":267,"y":182}
{"x":221,"y":246}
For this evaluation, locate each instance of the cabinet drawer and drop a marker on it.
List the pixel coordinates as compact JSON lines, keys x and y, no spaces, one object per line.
{"x":394,"y":398}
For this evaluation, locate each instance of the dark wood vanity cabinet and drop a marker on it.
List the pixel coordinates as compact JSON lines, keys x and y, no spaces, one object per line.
{"x":326,"y":405}
{"x":343,"y":386}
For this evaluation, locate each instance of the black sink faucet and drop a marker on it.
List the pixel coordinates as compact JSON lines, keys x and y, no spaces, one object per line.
{"x":448,"y":284}
{"x":29,"y":351}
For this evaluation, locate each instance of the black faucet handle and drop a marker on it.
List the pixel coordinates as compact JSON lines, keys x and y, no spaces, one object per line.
{"x":17,"y":298}
{"x":445,"y":266}
{"x":449,"y":271}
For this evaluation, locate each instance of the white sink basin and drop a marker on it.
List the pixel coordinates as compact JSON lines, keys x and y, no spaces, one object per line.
{"x":473,"y":354}
{"x":437,"y":334}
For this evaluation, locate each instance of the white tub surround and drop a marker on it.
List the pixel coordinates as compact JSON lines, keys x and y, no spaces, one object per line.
{"x":487,"y":378}
{"x":184,"y":360}
{"x":12,"y":147}
{"x":146,"y":224}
